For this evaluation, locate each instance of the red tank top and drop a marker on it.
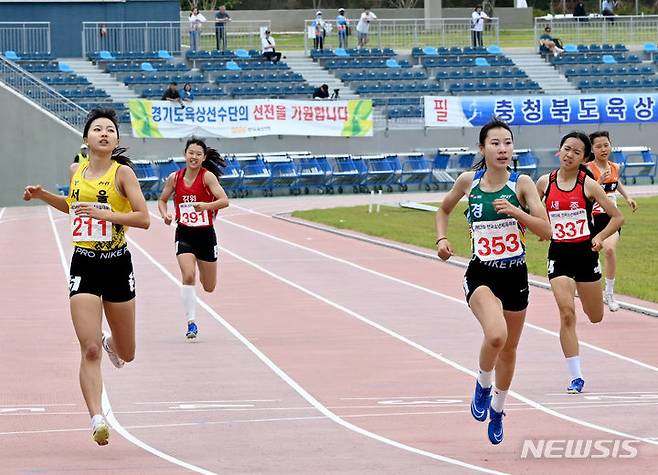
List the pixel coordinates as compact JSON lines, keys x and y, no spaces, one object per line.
{"x":186,"y":196}
{"x":569,"y":211}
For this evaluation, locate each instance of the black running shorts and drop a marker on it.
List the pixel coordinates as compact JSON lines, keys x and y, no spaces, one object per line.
{"x":600,"y":221}
{"x":510,"y":285}
{"x":202,"y":242}
{"x":574,"y":260}
{"x":107,"y":274}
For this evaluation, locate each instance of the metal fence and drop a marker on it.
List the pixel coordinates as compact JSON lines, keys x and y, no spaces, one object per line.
{"x":238,"y":34}
{"x":131,"y":36}
{"x":408,"y":33}
{"x":628,"y":30}
{"x":49,"y":99}
{"x":25,"y":37}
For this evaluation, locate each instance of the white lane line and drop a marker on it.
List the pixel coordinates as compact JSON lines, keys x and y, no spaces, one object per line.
{"x":298,"y":388}
{"x":2,"y":211}
{"x":210,"y":402}
{"x":431,"y":292}
{"x":107,"y":408}
{"x":430,"y":352}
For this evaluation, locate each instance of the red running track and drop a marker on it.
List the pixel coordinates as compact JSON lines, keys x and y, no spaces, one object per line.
{"x":317,"y":354}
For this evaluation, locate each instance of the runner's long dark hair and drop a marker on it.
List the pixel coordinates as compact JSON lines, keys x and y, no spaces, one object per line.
{"x":118,"y":154}
{"x":214,"y":162}
{"x":494,"y":123}
{"x":587,"y":144}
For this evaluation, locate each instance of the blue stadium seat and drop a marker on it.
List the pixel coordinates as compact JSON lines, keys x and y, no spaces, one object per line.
{"x":148,"y":67}
{"x":164,"y":54}
{"x":11,"y":55}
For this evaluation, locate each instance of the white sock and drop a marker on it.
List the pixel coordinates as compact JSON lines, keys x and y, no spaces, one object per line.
{"x":188,"y":294}
{"x":498,"y":400}
{"x":484,"y":378}
{"x":96,"y":421}
{"x":609,"y":286}
{"x":574,"y":367}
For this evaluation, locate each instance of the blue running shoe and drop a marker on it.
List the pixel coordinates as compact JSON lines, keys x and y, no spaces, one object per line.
{"x":192,"y":330}
{"x":576,"y":386}
{"x":495,"y":429}
{"x":481,"y":401}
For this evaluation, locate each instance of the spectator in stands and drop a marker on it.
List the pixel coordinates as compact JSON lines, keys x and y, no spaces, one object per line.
{"x":548,"y":44}
{"x":321,"y":92}
{"x":171,"y":94}
{"x":319,"y":31}
{"x":477,"y":26}
{"x":342,"y":25}
{"x":221,"y":19}
{"x":608,"y":7}
{"x":579,"y":10}
{"x":196,"y":23}
{"x":269,"y":48}
{"x":363,"y":26}
{"x":187,"y":96}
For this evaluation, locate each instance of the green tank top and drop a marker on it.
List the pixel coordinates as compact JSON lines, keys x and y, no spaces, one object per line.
{"x":497,"y":240}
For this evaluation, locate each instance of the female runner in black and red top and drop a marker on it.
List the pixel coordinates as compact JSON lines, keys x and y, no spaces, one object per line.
{"x":197,"y":197}
{"x":573,"y":260}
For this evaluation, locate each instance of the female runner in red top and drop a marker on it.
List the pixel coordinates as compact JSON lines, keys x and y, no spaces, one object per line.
{"x":573,"y":262}
{"x":197,"y":197}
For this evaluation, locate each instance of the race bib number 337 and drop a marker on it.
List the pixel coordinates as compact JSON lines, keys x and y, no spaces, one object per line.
{"x":569,"y":224}
{"x":87,"y":228}
{"x":496,"y":240}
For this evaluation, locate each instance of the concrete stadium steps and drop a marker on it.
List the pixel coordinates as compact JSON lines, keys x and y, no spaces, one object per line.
{"x":118,"y":91}
{"x":537,"y":69}
{"x":316,"y":75}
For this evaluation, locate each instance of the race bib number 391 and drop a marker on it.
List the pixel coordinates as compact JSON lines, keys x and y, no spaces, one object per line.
{"x":496,"y":240}
{"x":190,"y":217}
{"x":89,"y":229}
{"x":569,"y":224}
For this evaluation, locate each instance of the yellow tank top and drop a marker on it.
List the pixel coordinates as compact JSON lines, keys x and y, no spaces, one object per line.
{"x":101,"y":190}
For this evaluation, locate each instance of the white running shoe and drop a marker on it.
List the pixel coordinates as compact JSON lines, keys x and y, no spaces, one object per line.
{"x":610,"y":301}
{"x":114,"y":358}
{"x":101,"y":433}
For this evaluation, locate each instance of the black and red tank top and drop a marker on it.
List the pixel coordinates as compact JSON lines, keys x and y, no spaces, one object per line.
{"x":185,"y":197}
{"x":570,"y":212}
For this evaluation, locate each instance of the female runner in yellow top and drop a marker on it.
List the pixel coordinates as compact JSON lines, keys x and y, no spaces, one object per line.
{"x":104,"y":198}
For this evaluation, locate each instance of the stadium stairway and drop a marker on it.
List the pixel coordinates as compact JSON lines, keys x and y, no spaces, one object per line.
{"x":118,"y":91}
{"x":537,"y":69}
{"x":316,"y":75}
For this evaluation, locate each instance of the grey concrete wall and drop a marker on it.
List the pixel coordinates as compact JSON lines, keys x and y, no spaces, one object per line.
{"x":293,"y":20}
{"x":37,"y":148}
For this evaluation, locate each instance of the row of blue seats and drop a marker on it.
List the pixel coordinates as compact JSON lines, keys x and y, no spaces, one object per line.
{"x":87,"y":92}
{"x":419,"y":52}
{"x":463,"y":62}
{"x":364,"y":64}
{"x":468,"y":73}
{"x":595,"y":48}
{"x":383,"y":76}
{"x":405,"y":112}
{"x":610,"y":71}
{"x":399,"y":87}
{"x":397,"y":101}
{"x":494,"y":87}
{"x":645,"y":83}
{"x":198,"y":92}
{"x":565,"y":59}
{"x":27,"y":55}
{"x":353,"y":53}
{"x":164,"y":78}
{"x":241,"y":65}
{"x":104,"y":55}
{"x":68,"y":79}
{"x":222,"y":55}
{"x":259,"y":77}
{"x":137,"y":66}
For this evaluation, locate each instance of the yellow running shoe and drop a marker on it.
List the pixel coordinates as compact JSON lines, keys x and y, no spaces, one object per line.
{"x":101,"y":434}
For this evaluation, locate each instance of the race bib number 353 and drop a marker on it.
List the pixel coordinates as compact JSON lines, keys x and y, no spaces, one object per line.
{"x":190,"y":217}
{"x":496,"y":240}
{"x":568,"y":225}
{"x":90,"y":229}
